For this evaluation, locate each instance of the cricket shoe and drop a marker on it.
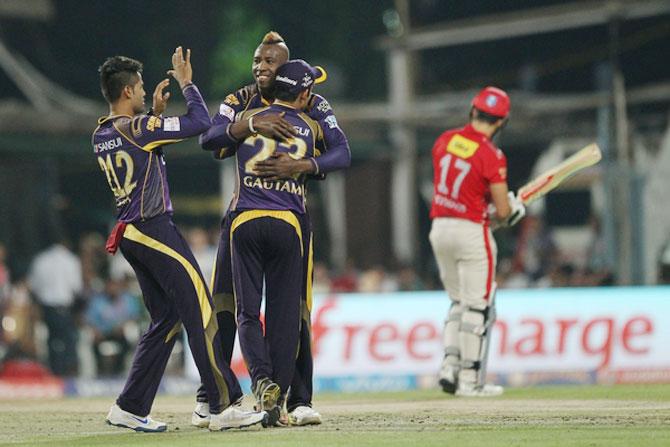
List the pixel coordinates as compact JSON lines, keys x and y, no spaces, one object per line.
{"x":474,"y":390}
{"x":122,"y":418}
{"x":447,"y":386}
{"x":200,"y":417}
{"x":267,"y":395}
{"x":235,"y":417}
{"x":304,"y":415}
{"x":448,"y":381}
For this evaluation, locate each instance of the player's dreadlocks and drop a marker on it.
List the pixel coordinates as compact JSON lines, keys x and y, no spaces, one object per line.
{"x":274,"y":38}
{"x":116,"y":73}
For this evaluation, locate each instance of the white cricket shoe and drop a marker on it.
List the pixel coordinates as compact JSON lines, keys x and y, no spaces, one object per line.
{"x":234,"y":417}
{"x":200,"y":417}
{"x":304,"y":415}
{"x":473,"y":390}
{"x":122,"y":418}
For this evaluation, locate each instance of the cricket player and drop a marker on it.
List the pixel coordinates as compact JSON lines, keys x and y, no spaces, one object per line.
{"x":221,"y":138}
{"x":470,"y":173}
{"x":129,"y":146}
{"x":266,"y":238}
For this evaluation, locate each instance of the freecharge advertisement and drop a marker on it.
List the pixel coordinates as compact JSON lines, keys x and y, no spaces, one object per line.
{"x":577,"y":335}
{"x":605,"y":333}
{"x":394,"y":342}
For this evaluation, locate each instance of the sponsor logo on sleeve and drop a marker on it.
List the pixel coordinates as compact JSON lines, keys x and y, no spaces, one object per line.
{"x":331,"y":121}
{"x":227,"y":111}
{"x":503,"y":173}
{"x":153,"y":122}
{"x":232,"y":100}
{"x":324,"y":106}
{"x":171,"y":124}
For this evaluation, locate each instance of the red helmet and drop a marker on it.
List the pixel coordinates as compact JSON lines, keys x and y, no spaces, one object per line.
{"x":493,"y":101}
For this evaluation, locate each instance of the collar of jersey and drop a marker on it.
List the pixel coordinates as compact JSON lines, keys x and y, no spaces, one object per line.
{"x":469,"y":129}
{"x":102,"y":119}
{"x":283,"y":105}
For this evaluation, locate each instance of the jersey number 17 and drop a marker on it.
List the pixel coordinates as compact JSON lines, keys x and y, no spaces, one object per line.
{"x":462,"y":168}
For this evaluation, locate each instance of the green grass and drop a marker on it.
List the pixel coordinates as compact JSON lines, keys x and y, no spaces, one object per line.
{"x":543,"y":416}
{"x":618,"y":392}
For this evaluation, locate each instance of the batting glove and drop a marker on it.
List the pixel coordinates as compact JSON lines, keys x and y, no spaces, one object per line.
{"x":518,"y":210}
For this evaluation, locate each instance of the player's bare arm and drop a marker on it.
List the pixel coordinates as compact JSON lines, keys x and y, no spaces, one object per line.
{"x":271,"y":125}
{"x":281,"y":166}
{"x":159,"y":99}
{"x":500,"y":201}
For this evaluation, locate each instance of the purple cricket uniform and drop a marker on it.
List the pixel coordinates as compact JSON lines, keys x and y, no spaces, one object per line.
{"x":266,"y":243}
{"x":130,"y":153}
{"x":332,"y":153}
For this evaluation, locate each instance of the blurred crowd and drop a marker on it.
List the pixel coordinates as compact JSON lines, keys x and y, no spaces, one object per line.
{"x":78,"y":310}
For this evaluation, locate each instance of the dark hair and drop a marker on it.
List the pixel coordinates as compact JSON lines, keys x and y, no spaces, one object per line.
{"x":284,"y":95}
{"x":116,"y":73}
{"x":477,"y":114}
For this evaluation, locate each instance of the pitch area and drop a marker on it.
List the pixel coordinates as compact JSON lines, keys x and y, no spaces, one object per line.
{"x":542,"y":416}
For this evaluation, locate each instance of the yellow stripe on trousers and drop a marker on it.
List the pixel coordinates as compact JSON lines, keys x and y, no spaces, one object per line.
{"x":246,"y":216}
{"x":209,"y":324}
{"x":286,"y":216}
{"x":310,"y":270}
{"x":174,"y":331}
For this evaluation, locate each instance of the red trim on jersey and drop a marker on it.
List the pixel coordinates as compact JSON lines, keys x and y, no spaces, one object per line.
{"x":489,"y":256}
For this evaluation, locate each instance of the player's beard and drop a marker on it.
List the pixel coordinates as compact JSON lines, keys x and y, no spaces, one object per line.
{"x":138,"y":108}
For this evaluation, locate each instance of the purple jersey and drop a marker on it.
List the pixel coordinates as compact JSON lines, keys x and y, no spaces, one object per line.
{"x":130,"y":154}
{"x":253,"y":192}
{"x":333,"y":151}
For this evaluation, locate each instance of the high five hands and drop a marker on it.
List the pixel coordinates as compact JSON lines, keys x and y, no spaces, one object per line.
{"x":181,"y":71}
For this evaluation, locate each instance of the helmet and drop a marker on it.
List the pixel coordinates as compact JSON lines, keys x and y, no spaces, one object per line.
{"x":493,"y":101}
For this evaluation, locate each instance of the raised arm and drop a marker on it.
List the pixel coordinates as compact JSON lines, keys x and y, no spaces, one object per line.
{"x":150,"y":132}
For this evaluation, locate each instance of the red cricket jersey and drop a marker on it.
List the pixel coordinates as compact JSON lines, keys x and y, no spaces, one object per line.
{"x":465,"y":163}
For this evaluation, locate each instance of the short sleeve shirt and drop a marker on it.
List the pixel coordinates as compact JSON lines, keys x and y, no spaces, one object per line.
{"x":465,"y":164}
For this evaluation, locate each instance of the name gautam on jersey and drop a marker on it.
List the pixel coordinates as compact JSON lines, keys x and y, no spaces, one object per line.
{"x":271,"y":185}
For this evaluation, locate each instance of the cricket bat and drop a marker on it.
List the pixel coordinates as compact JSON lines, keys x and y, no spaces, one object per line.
{"x":550,"y":179}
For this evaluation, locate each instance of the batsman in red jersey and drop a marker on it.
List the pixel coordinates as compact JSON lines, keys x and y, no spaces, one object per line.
{"x":470,"y":175}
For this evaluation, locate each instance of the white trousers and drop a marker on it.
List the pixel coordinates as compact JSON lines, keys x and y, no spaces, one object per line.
{"x":466,"y":257}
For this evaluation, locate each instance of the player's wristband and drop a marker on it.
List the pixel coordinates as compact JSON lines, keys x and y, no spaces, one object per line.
{"x":251,"y":126}
{"x":316,"y":165}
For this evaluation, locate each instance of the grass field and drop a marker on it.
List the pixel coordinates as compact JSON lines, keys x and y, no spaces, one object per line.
{"x":549,"y":416}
